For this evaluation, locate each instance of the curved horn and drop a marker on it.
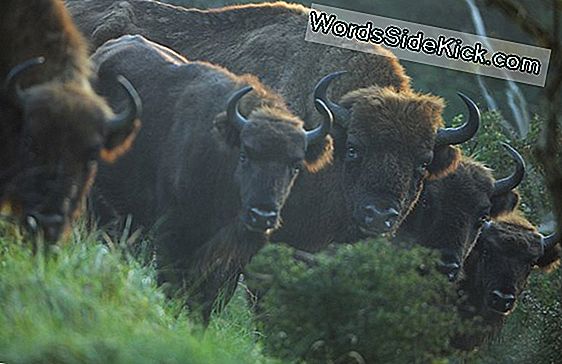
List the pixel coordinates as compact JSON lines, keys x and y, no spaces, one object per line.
{"x":341,"y":114}
{"x":133,"y":110}
{"x":318,"y":134}
{"x":460,"y":134}
{"x":548,"y":242}
{"x":11,"y":84}
{"x":232,"y":112}
{"x":506,"y":184}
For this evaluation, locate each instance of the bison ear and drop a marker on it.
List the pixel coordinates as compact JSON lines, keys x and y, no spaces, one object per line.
{"x":226,"y":131}
{"x":319,"y":155}
{"x":550,"y":260}
{"x":446,"y":159}
{"x":118,"y":142}
{"x":504,"y":203}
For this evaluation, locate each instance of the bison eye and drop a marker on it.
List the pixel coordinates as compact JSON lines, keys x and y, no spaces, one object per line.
{"x":93,"y":153}
{"x":351,"y":153}
{"x":422,"y":168}
{"x":484,"y":218}
{"x":296,"y":168}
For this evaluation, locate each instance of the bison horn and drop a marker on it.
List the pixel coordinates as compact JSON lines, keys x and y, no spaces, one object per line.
{"x":11,"y":84}
{"x":341,"y":114}
{"x":506,"y":184}
{"x":458,"y":135}
{"x":133,"y":110}
{"x":318,"y":134}
{"x":232,"y":112}
{"x":550,"y":241}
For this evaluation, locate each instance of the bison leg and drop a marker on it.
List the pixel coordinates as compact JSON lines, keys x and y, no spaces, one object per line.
{"x":210,"y":275}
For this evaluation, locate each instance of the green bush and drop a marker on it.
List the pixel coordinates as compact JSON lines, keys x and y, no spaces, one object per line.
{"x":85,"y":302}
{"x":367,"y":303}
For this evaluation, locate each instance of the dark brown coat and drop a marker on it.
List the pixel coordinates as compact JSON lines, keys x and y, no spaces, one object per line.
{"x":266,"y":40}
{"x":497,"y":271}
{"x":201,"y":178}
{"x":395,"y":126}
{"x":53,"y":126}
{"x":452,"y":210}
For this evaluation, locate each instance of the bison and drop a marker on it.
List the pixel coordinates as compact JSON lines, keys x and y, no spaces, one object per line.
{"x":265,"y":39}
{"x":376,"y":179}
{"x":387,"y":137}
{"x":53,"y":127}
{"x":452,"y":210}
{"x":216,"y":165}
{"x":496,"y":272}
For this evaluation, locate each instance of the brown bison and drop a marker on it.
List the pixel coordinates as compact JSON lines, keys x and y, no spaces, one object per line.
{"x":387,"y":137}
{"x":496,"y":272}
{"x":53,"y":127}
{"x":216,"y":165}
{"x":452,"y":210}
{"x":374,"y":180}
{"x":265,"y":39}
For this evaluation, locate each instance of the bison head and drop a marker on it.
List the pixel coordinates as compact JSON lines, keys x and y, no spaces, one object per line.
{"x":273,"y":148}
{"x":501,"y":261}
{"x":452,"y":210}
{"x":389,"y":142}
{"x":65,"y":129}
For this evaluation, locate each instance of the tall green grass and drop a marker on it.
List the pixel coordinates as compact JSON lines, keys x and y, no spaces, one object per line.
{"x":88,"y":302}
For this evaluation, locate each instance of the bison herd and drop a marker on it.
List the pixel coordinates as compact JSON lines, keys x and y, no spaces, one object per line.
{"x":257,"y":136}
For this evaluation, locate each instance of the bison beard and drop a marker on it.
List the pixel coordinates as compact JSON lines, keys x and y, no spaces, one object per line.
{"x":213,"y":181}
{"x":53,"y":127}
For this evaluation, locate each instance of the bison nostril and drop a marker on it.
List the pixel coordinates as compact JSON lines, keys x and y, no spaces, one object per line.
{"x":51,"y":224}
{"x":451,"y":269}
{"x":370,"y":213}
{"x":31,"y":223}
{"x":502,"y":302}
{"x":390,"y":215}
{"x":379,"y":220}
{"x":262,"y":219}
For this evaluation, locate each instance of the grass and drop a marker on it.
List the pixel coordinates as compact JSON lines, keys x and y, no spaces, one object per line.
{"x":89,"y":302}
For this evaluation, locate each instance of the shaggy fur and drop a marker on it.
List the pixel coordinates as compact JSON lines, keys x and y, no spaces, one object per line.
{"x":186,"y":164}
{"x":327,"y":207}
{"x":267,"y":40}
{"x":452,"y":210}
{"x":59,"y":125}
{"x":502,"y":259}
{"x":60,"y":42}
{"x":263,"y":39}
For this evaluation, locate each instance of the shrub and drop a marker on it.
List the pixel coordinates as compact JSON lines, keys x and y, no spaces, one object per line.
{"x":368,"y":303}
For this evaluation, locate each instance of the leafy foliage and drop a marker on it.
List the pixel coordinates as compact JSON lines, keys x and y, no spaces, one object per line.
{"x":369,"y":302}
{"x":486,"y":148}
